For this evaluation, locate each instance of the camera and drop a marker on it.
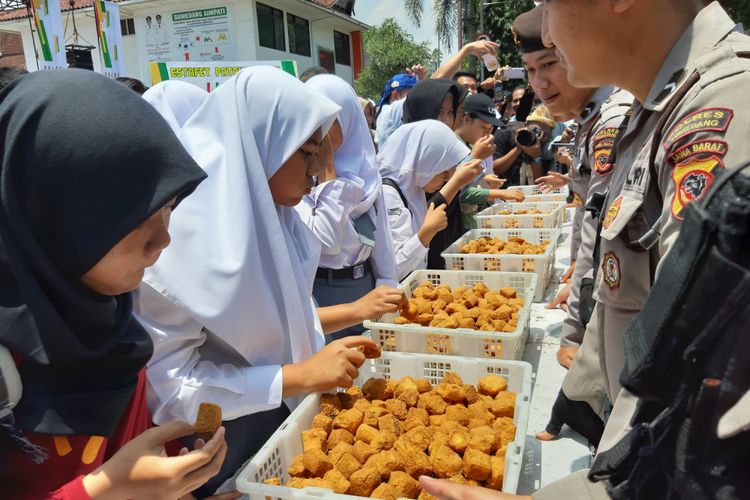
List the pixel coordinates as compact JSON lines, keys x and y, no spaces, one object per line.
{"x":528,"y":136}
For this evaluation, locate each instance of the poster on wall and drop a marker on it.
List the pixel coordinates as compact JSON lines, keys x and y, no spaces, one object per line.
{"x":109,"y":34}
{"x":49,"y":32}
{"x":209,"y":75}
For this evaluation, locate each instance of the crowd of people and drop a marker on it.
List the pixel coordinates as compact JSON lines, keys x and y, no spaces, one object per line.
{"x":165,"y":247}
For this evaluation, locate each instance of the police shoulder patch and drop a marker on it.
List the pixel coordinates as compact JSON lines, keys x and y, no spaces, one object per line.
{"x":692,"y":178}
{"x":602,"y":152}
{"x":705,"y":148}
{"x":612,"y":211}
{"x":611,"y":270}
{"x":394,"y":211}
{"x":706,"y":119}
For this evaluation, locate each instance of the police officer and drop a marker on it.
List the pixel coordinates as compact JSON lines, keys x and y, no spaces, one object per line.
{"x":689,"y":72}
{"x":599,"y":112}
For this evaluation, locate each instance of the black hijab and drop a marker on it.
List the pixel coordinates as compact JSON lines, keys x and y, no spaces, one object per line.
{"x":424,"y":100}
{"x":84,"y":162}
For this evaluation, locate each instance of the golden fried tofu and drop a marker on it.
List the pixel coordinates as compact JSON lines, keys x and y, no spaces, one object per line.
{"x":497,"y":470}
{"x":433,"y":404}
{"x":492,"y":384}
{"x":472,"y":313}
{"x":445,"y":296}
{"x":348,"y":401}
{"x":316,"y":462}
{"x":445,"y":462}
{"x":366,"y":433}
{"x":386,"y":462}
{"x":273,"y":481}
{"x":472,"y":396}
{"x":466,"y":323}
{"x":363,"y":405}
{"x":349,"y":420}
{"x":439,"y":438}
{"x":423,"y":305}
{"x":458,"y":414}
{"x":459,"y":441}
{"x":452,"y":393}
{"x":348,"y":464}
{"x":315,"y":439}
{"x":504,"y":405}
{"x":470,"y":300}
{"x":372,"y":414}
{"x":425,"y":319}
{"x":389,"y":423}
{"x":375,"y":388}
{"x":420,"y":437}
{"x":316,"y":482}
{"x":338,"y":436}
{"x":480,"y":289}
{"x":384,"y":440}
{"x":507,"y":429}
{"x":508,"y":292}
{"x":330,"y":405}
{"x":452,"y":378}
{"x":321,"y":421}
{"x":297,"y":467}
{"x":437,"y":420}
{"x":409,"y":397}
{"x":413,"y":420}
{"x":404,"y":384}
{"x":454,"y":307}
{"x":484,"y":438}
{"x":405,"y":485}
{"x":362,"y":451}
{"x":400,"y":320}
{"x":385,"y":491}
{"x":477,"y":465}
{"x":423,"y":495}
{"x":396,"y":408}
{"x":410,"y":311}
{"x":417,"y":462}
{"x":438,"y":305}
{"x":364,"y":481}
{"x":339,"y":482}
{"x":335,"y":453}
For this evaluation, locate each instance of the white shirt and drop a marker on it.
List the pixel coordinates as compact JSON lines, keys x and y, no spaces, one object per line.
{"x":409,"y":251}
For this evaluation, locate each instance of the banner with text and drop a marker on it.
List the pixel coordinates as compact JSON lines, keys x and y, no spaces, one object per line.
{"x":209,"y":75}
{"x":49,"y":32}
{"x":109,"y":33}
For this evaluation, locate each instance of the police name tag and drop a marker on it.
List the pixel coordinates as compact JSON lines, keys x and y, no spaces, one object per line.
{"x":358,"y":271}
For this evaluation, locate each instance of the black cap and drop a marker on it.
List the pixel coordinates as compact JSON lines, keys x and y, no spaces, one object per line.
{"x":527,"y":30}
{"x":481,"y":105}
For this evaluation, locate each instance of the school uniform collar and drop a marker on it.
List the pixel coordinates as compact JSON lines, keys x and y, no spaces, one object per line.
{"x":710,"y":26}
{"x":592,"y":108}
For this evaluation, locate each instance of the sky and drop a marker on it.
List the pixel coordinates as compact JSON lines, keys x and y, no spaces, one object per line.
{"x":374,"y":12}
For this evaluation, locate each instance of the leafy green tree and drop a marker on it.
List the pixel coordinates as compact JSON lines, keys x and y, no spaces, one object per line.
{"x":388,"y":50}
{"x":739,"y":10}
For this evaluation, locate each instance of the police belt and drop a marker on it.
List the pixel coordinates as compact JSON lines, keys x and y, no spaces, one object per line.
{"x":355,"y":272}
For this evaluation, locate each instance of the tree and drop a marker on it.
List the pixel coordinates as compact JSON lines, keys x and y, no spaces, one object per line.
{"x":388,"y":50}
{"x":739,"y":10}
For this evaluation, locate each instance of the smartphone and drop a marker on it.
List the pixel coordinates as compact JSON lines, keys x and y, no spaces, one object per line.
{"x":514,"y":73}
{"x":562,"y":145}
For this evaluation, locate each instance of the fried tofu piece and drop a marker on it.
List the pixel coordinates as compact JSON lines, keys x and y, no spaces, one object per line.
{"x":472,"y":396}
{"x":384,"y":440}
{"x":437,"y":420}
{"x":208,"y":420}
{"x":376,"y":388}
{"x":316,"y":462}
{"x":370,"y":352}
{"x":469,"y":300}
{"x":455,"y":307}
{"x":409,"y":397}
{"x":424,"y":306}
{"x":385,"y":491}
{"x":350,"y":398}
{"x":467,"y":323}
{"x":366,"y":433}
{"x":297,"y":467}
{"x":452,"y":378}
{"x":417,"y":462}
{"x":497,"y":470}
{"x":492,"y":384}
{"x":485,"y":439}
{"x":507,"y":429}
{"x":459,"y":441}
{"x":339,"y":482}
{"x":439,"y":438}
{"x":503,"y":312}
{"x":349,"y":420}
{"x":273,"y":481}
{"x":372,"y":415}
{"x":423,"y":495}
{"x":425,"y":319}
{"x":335,"y":453}
{"x":348,"y":464}
{"x":405,"y":485}
{"x":315,"y":439}
{"x":338,"y":436}
{"x":420,"y":437}
{"x":458,"y":414}
{"x":316,"y":482}
{"x":508,"y":292}
{"x":364,"y":481}
{"x":401,"y":320}
{"x":389,"y":423}
{"x":386,"y":462}
{"x":330,"y":405}
{"x":445,"y":462}
{"x":396,"y":408}
{"x":472,"y":313}
{"x":362,"y":451}
{"x":477,"y":465}
{"x":321,"y":421}
{"x":452,"y":393}
{"x":433,"y":404}
{"x":418,"y":414}
{"x":504,"y":404}
{"x":363,"y":405}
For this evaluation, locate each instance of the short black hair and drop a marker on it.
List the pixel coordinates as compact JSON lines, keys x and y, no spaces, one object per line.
{"x":311,"y":72}
{"x":10,"y":73}
{"x":133,"y":84}
{"x":519,"y":87}
{"x":459,"y":74}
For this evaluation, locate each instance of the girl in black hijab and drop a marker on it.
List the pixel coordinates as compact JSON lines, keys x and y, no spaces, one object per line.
{"x":89,"y":174}
{"x":442,"y":99}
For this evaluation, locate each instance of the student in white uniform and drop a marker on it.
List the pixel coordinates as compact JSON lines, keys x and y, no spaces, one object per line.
{"x":175,"y":101}
{"x":346,"y":212}
{"x":229,"y":307}
{"x":418,"y":159}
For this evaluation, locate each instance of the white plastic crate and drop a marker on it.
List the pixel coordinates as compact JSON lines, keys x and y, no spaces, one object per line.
{"x":552,"y":216}
{"x":273,"y":459}
{"x":534,"y":190}
{"x":547,"y":198}
{"x":458,"y":341}
{"x":542,"y":265}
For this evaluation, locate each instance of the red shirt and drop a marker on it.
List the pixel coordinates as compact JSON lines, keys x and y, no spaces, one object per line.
{"x":71,"y":457}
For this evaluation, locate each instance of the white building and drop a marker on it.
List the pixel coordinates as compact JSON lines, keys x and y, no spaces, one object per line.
{"x":305,"y":31}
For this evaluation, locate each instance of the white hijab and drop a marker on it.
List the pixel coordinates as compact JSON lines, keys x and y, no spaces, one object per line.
{"x":238,"y":263}
{"x":355,"y":158}
{"x":414,"y":154}
{"x":390,"y":118}
{"x":175,"y":101}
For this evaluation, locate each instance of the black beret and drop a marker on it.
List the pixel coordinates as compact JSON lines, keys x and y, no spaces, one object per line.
{"x":527,"y":30}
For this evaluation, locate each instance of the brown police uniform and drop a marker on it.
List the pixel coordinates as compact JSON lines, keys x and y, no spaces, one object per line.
{"x":697,"y":107}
